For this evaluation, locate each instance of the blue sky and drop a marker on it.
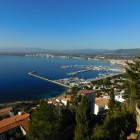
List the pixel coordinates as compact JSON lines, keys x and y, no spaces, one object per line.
{"x":70,"y":24}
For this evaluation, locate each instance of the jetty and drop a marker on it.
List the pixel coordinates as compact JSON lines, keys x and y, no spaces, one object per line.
{"x":80,"y":71}
{"x":103,"y":77}
{"x":33,"y":73}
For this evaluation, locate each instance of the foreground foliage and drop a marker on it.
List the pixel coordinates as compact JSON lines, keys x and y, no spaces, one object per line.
{"x":117,"y":124}
{"x":44,"y":123}
{"x":82,"y":120}
{"x":133,"y":74}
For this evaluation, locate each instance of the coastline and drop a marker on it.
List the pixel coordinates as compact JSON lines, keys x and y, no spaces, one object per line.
{"x":16,"y":102}
{"x":27,"y":101}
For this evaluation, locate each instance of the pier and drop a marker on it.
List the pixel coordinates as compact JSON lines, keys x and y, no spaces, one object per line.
{"x":103,"y":77}
{"x":33,"y":73}
{"x":80,"y":71}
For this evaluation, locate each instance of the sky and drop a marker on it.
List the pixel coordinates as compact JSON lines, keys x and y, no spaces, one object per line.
{"x":70,"y":24}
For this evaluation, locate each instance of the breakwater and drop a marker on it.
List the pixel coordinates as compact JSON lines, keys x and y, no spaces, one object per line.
{"x":33,"y":73}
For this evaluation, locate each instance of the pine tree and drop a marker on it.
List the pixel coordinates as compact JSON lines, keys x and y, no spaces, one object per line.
{"x":117,"y":124}
{"x":111,"y":103}
{"x":44,"y":123}
{"x":82,"y":126}
{"x":133,"y":74}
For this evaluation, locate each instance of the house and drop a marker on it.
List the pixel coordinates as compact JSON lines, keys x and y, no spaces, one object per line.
{"x":73,"y":84}
{"x":64,"y":99}
{"x":6,"y":112}
{"x":96,"y":87}
{"x":53,"y":101}
{"x":90,"y":96}
{"x":132,"y":136}
{"x":101,"y":104}
{"x":136,"y":135}
{"x":9,"y":125}
{"x":106,"y":96}
{"x":119,"y":98}
{"x":90,"y":86}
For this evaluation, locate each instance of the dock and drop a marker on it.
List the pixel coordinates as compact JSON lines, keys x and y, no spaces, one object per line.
{"x":103,"y":77}
{"x":80,"y":71}
{"x":33,"y":73}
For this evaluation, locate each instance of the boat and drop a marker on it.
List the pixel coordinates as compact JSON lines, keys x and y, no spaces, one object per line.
{"x":64,"y":67}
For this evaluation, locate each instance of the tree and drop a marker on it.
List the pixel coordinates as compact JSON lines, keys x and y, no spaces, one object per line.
{"x":44,"y":123}
{"x":117,"y":124}
{"x":133,"y":74}
{"x":82,"y":126}
{"x":111,"y":103}
{"x":99,"y":133}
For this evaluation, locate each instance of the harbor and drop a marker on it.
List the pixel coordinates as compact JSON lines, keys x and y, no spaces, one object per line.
{"x":80,"y":71}
{"x":33,"y":73}
{"x":50,"y":68}
{"x":98,"y":68}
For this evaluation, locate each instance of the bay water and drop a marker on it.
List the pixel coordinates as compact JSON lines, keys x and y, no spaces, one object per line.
{"x":16,"y":84}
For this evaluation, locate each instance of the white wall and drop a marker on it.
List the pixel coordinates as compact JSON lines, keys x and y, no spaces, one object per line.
{"x":96,"y":109}
{"x":91,"y":99}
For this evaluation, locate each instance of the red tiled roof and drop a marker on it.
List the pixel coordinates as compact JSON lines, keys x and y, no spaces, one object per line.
{"x":101,"y":101}
{"x":138,"y":128}
{"x":65,"y":97}
{"x":12,"y":122}
{"x":84,"y":91}
{"x":5,"y":111}
{"x":133,"y":136}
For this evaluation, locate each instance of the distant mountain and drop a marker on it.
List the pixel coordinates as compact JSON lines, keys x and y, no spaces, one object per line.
{"x":84,"y":51}
{"x":41,"y":50}
{"x":24,"y":50}
{"x":133,"y":52}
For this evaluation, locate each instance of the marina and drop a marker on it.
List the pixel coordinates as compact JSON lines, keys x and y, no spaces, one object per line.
{"x":98,"y":68}
{"x":80,"y":71}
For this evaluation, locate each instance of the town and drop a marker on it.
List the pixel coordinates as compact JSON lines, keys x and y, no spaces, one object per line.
{"x":14,"y":119}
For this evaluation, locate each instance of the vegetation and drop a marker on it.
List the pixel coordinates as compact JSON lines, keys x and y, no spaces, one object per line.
{"x":112,"y":101}
{"x":133,"y":74}
{"x":117,"y":124}
{"x":45,"y":123}
{"x":82,"y":121}
{"x":120,"y":120}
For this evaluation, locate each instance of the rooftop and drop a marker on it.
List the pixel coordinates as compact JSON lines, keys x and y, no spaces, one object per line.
{"x":133,"y":136}
{"x":101,"y":101}
{"x":15,"y":121}
{"x":85,"y":91}
{"x":65,"y":97}
{"x":5,"y":111}
{"x":138,"y":128}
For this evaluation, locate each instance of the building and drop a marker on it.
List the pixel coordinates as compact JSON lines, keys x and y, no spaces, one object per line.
{"x":53,"y":101}
{"x":101,"y":104}
{"x":136,"y":135}
{"x":10,"y":125}
{"x":90,"y":96}
{"x":6,"y":112}
{"x":64,"y":99}
{"x":119,"y":98}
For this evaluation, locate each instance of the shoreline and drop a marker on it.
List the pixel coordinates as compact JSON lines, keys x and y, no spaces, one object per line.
{"x":16,"y":102}
{"x":29,"y":101}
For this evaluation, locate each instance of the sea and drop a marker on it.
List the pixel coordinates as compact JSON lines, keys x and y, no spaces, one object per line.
{"x":17,"y":85}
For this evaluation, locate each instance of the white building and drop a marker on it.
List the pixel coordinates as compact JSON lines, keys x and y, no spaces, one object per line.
{"x":90,"y":95}
{"x":119,"y":98}
{"x":64,"y":99}
{"x":9,"y":126}
{"x":101,"y":104}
